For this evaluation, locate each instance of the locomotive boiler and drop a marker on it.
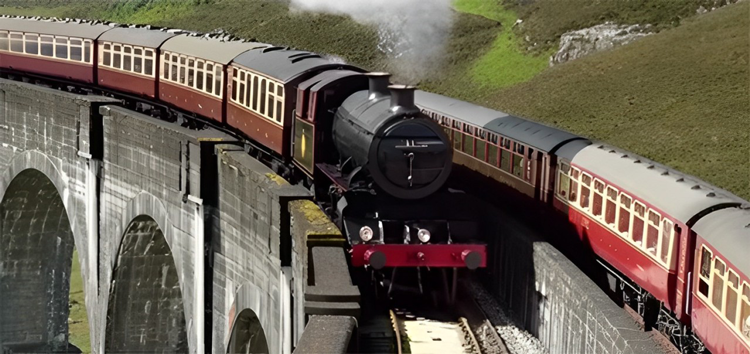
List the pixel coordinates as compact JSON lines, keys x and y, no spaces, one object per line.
{"x":383,"y":138}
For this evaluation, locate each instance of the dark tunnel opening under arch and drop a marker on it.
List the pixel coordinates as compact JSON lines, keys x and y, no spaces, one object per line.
{"x":146,"y":311}
{"x":36,"y":254}
{"x":247,"y":335}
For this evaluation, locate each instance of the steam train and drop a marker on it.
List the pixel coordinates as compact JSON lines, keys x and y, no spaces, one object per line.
{"x":673,"y":247}
{"x":373,"y":161}
{"x":377,"y":157}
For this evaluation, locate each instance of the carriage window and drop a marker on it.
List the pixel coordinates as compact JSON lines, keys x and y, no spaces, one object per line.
{"x":718,"y":282}
{"x":745,"y":311}
{"x":165,"y":64}
{"x":598,"y":198}
{"x":255,"y":93}
{"x":468,"y":146}
{"x":183,"y":71}
{"x":624,"y":222}
{"x":262,"y":96}
{"x":191,"y":73}
{"x":32,"y":44}
{"x":652,"y":232}
{"x":271,"y":99}
{"x":127,"y":58}
{"x":492,"y":155}
{"x":4,"y":41}
{"x":505,"y":160}
{"x":61,"y":48}
{"x":279,"y":112}
{"x":219,"y":75}
{"x":149,"y":62}
{"x":666,"y":241}
{"x":46,"y":48}
{"x":209,"y":78}
{"x":174,"y":69}
{"x":138,"y":60}
{"x":16,"y":42}
{"x":270,"y":107}
{"x":731,"y":299}
{"x":116,"y":56}
{"x":639,"y":212}
{"x":248,"y":94}
{"x":518,"y":165}
{"x":585,"y":191}
{"x":481,"y":150}
{"x":199,"y":75}
{"x":457,"y":140}
{"x":610,"y":212}
{"x":705,"y":270}
{"x":87,"y":51}
{"x":574,"y":174}
{"x":563,"y":187}
{"x":76,"y":49}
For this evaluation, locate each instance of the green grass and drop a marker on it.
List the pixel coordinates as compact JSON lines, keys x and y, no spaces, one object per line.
{"x":506,"y":63}
{"x":680,"y":97}
{"x":78,"y":323}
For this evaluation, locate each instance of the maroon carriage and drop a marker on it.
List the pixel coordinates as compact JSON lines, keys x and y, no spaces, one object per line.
{"x":636,"y":215}
{"x":193,"y":72}
{"x":720,"y":308}
{"x":128,"y":58}
{"x":263,"y":86}
{"x":50,"y":48}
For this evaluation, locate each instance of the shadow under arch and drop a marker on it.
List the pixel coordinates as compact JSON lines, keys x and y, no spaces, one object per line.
{"x":247,"y":335}
{"x":145,"y":311}
{"x":36,"y":253}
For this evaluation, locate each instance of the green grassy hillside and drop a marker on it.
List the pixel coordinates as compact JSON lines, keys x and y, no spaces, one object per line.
{"x":680,"y":97}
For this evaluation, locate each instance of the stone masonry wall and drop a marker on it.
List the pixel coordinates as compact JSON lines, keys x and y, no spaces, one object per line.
{"x":554,"y":300}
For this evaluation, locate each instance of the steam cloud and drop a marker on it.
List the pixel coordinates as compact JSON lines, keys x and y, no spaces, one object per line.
{"x":412,"y":33}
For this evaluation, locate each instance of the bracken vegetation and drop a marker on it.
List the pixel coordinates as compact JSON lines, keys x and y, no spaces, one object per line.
{"x":680,"y":97}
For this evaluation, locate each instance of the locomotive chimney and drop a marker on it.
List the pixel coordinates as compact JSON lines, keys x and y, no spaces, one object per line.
{"x":378,"y":84}
{"x":402,"y":97}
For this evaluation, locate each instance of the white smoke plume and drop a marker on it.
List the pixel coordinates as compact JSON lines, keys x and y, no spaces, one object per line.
{"x":413,"y":33}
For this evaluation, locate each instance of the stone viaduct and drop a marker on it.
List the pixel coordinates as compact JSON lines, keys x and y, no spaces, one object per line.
{"x":186,"y":243}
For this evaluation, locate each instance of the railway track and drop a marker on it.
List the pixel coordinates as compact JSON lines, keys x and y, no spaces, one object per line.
{"x":467,"y":331}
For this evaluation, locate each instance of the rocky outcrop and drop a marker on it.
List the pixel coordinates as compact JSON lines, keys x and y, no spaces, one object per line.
{"x":576,"y":44}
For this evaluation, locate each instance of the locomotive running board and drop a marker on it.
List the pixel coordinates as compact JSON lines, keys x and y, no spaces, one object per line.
{"x":334,"y":175}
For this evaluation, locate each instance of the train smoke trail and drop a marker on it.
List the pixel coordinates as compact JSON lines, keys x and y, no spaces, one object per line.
{"x":413,"y":33}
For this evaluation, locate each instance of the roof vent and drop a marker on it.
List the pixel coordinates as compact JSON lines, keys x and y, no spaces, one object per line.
{"x":624,"y":156}
{"x":665,"y":173}
{"x":272,"y":48}
{"x":651,"y":167}
{"x":637,"y":161}
{"x":601,"y":146}
{"x":695,"y":187}
{"x":306,"y":56}
{"x":378,"y":85}
{"x":402,"y":98}
{"x":680,"y":179}
{"x":612,"y":151}
{"x":711,"y":194}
